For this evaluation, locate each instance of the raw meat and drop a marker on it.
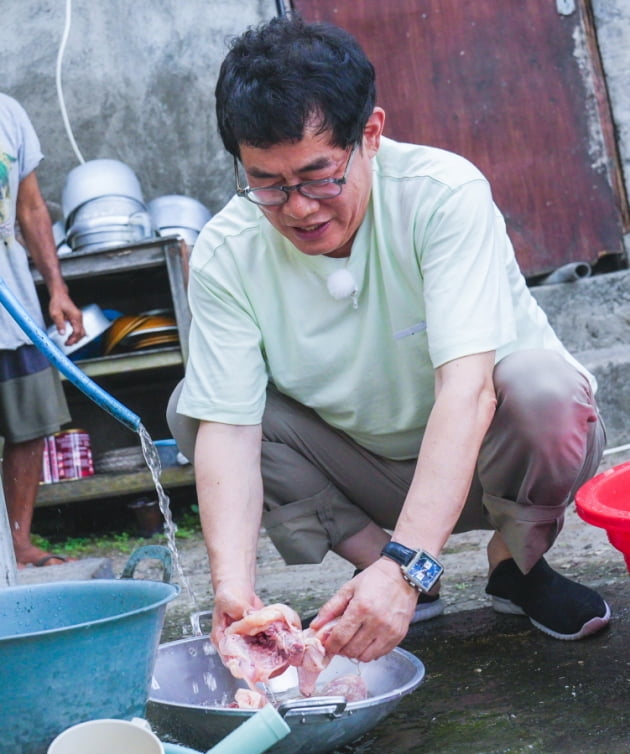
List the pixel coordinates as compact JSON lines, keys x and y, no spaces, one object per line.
{"x":315,"y":658}
{"x":352,"y":686}
{"x":248,"y":699}
{"x":263,"y":644}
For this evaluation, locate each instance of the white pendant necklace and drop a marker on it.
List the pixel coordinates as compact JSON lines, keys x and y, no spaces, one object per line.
{"x":341,"y":284}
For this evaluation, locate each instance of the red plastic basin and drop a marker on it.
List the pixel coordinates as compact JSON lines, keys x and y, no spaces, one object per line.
{"x":604,"y":501}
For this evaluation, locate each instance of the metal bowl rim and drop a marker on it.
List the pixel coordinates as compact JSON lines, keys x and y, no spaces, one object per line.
{"x":372,"y":701}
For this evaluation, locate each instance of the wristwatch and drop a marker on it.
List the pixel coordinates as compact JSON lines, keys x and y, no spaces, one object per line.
{"x":419,"y":568}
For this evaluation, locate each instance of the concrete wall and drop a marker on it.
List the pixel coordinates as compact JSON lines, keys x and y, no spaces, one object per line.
{"x":138,"y":79}
{"x":592,"y":318}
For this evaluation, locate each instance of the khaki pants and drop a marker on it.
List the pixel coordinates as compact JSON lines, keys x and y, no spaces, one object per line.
{"x":320,"y":487}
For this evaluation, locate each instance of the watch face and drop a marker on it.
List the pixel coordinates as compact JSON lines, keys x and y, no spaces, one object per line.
{"x":423,"y":571}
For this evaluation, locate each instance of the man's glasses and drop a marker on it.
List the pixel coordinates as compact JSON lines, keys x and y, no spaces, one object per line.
{"x":273,"y":196}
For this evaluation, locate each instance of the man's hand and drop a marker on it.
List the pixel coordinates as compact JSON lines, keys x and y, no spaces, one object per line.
{"x":231,"y":604}
{"x":63,"y":310}
{"x":35,"y":225}
{"x":374,"y":610}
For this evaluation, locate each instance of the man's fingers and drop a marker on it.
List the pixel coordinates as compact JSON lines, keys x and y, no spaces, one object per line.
{"x":332,"y":609}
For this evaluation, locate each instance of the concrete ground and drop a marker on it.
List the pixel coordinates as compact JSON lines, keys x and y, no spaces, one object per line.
{"x":494,"y":684}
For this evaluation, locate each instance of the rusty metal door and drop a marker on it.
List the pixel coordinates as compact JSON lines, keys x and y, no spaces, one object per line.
{"x":518,"y":89}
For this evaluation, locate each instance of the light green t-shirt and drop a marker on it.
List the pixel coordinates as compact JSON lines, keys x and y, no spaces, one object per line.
{"x":436,"y":279}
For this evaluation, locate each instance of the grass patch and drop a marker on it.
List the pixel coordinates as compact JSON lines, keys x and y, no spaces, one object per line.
{"x":85,"y":546}
{"x":120,"y":541}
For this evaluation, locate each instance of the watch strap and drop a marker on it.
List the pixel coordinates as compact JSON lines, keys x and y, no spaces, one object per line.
{"x":418,"y":567}
{"x":399,"y":553}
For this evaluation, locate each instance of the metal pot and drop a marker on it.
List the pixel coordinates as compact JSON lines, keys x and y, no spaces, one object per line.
{"x":59,"y":234}
{"x":188,"y":235}
{"x":106,"y":211}
{"x":93,"y":234}
{"x":176,"y":211}
{"x":106,"y":222}
{"x":191,"y":687}
{"x":97,"y":178}
{"x":176,"y":215}
{"x":75,"y":651}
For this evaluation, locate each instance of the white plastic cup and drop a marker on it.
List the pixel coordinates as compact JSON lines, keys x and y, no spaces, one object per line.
{"x":108,"y":736}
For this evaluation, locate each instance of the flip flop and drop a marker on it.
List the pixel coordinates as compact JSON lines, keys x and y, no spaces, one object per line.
{"x":47,"y":558}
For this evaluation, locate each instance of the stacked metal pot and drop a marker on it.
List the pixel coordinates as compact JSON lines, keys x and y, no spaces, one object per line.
{"x":176,"y":215}
{"x":59,"y":234}
{"x":103,"y":206}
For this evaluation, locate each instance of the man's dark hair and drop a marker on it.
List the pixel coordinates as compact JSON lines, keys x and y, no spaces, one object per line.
{"x":287,"y":74}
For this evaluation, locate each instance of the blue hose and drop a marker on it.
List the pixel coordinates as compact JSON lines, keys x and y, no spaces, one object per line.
{"x":62,"y":362}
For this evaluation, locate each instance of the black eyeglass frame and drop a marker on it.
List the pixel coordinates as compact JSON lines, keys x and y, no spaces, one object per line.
{"x":245,"y":192}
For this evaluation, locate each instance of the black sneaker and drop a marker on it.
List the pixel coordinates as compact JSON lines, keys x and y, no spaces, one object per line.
{"x":554,"y":604}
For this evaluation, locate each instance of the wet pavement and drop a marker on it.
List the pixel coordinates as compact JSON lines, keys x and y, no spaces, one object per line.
{"x":496,"y":685}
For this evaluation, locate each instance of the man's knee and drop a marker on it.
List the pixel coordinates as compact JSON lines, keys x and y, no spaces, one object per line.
{"x":541,"y":395}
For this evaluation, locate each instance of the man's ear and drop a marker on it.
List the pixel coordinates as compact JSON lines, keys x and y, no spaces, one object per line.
{"x":373,"y":131}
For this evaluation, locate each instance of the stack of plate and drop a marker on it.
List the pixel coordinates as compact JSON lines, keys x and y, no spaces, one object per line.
{"x":136,"y":332}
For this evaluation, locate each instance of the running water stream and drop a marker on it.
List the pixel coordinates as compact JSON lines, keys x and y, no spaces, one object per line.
{"x":152,"y":458}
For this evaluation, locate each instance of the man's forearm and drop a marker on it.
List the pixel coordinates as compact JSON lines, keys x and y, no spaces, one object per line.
{"x":463,"y":410}
{"x":35,"y":226}
{"x":229,"y":487}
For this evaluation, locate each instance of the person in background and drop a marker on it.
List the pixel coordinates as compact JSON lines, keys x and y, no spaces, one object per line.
{"x":32,"y":403}
{"x":368,"y":371}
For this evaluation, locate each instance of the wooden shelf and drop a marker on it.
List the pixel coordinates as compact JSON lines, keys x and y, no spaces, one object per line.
{"x":138,"y":256}
{"x":93,"y":272}
{"x":170,"y":252}
{"x":131,"y":362}
{"x":112,"y":485}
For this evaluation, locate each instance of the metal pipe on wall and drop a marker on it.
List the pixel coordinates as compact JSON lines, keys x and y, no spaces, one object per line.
{"x":568,"y":273}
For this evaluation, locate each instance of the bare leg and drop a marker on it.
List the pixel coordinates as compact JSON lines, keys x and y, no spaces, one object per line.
{"x":363,"y":548}
{"x":497,"y":551}
{"x":21,"y":468}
